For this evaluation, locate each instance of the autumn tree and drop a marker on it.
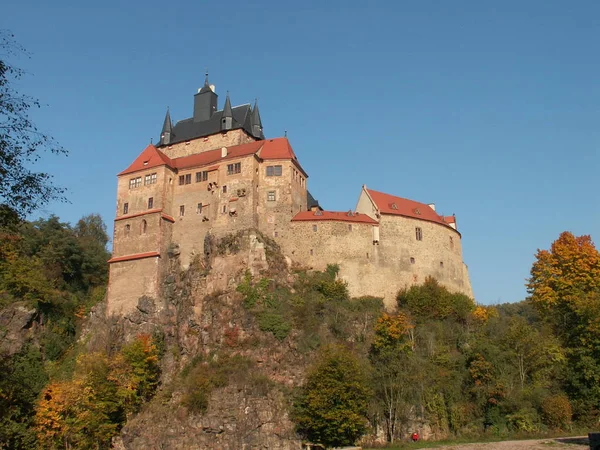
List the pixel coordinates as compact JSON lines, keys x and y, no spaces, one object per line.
{"x":396,"y":374}
{"x":565,"y":288}
{"x":332,"y":405}
{"x":22,"y":189}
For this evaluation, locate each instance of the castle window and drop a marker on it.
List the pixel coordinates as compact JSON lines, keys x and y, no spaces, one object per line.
{"x":349,"y":227}
{"x":135,"y":182}
{"x":125,"y":208}
{"x":412,"y":260}
{"x":150,"y":202}
{"x":315,"y":228}
{"x":419,"y":234}
{"x":127,"y":229}
{"x":274,"y":171}
{"x":234,"y":168}
{"x":144,"y":227}
{"x":224,"y":189}
{"x":271,"y":196}
{"x":199,"y":208}
{"x":451,"y":243}
{"x":224,"y":209}
{"x":441,"y":263}
{"x":150,"y":179}
{"x":188,"y":178}
{"x":182,"y":211}
{"x":201,"y":176}
{"x":311,"y":252}
{"x":181,"y":180}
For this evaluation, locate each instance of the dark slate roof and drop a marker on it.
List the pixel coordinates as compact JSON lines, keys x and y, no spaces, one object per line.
{"x":312,"y":202}
{"x":186,"y":130}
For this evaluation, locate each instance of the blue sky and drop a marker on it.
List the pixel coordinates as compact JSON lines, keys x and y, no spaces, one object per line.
{"x":489,"y":109}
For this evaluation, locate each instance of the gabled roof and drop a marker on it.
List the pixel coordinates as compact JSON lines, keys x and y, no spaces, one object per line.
{"x":338,"y":216}
{"x":149,"y":158}
{"x":278,"y":148}
{"x":398,"y":206}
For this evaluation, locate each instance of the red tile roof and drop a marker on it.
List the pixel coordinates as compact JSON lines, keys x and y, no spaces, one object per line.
{"x":338,"y":216}
{"x":450,"y":219}
{"x":134,"y":256}
{"x":149,"y":158}
{"x":390,"y":204}
{"x":269,"y":149}
{"x":212,"y":156}
{"x":278,"y":148}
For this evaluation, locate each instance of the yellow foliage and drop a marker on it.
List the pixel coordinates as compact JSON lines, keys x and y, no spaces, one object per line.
{"x":571,"y":267}
{"x":392,"y":330}
{"x":482,"y":314}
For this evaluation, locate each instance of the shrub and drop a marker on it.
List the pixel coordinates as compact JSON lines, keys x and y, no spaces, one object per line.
{"x":557,"y":411}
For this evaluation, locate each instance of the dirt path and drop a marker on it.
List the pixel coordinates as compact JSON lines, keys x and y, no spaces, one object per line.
{"x":570,"y":443}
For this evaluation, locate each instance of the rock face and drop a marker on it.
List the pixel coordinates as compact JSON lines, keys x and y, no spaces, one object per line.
{"x":17,"y":324}
{"x":200,"y":316}
{"x":234,"y":421}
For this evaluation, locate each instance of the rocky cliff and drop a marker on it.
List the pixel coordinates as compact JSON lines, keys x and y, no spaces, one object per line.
{"x":206,"y":330}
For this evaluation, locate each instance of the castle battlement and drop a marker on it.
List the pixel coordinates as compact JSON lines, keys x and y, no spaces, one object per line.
{"x":215,"y":174}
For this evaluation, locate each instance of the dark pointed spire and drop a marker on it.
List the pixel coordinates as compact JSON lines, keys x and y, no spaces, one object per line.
{"x":206,"y":87}
{"x":227,"y":108}
{"x":167,"y":130}
{"x":257,"y":128}
{"x":227,"y":116}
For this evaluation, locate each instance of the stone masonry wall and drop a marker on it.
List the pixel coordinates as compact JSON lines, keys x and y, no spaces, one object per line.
{"x":225,"y":139}
{"x":274,"y":216}
{"x":129,"y":280}
{"x":383,"y":269}
{"x":228,"y":205}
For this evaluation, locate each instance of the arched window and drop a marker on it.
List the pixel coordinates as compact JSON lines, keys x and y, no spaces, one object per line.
{"x":144,"y":226}
{"x":127,"y":229}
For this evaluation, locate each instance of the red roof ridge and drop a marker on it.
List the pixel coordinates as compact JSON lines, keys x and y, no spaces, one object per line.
{"x":149,"y":158}
{"x":133,"y":257}
{"x":399,"y":206}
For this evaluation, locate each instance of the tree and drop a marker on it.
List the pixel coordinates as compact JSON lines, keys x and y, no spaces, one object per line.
{"x":22,"y":189}
{"x":562,"y":275}
{"x":332,"y":405}
{"x":565,"y":288}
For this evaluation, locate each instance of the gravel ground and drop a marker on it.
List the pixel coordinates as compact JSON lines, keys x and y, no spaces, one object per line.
{"x":570,"y":443}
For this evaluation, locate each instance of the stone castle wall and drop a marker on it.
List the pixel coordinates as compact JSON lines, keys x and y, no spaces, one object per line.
{"x":225,"y":139}
{"x":380,"y":269}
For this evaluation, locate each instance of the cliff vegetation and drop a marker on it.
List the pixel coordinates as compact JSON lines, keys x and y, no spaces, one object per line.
{"x":245,"y":351}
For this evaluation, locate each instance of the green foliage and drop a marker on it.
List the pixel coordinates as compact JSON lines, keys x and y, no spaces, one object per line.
{"x":433,"y":301}
{"x":23,"y":377}
{"x":22,"y":190}
{"x":331,"y":407}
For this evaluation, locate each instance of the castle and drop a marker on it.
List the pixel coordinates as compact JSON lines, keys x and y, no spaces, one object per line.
{"x":216,"y":173}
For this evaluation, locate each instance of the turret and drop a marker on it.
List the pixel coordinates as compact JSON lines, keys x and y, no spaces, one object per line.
{"x":205,"y":102}
{"x":227,"y":117}
{"x":257,"y":128}
{"x":166,"y":134}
